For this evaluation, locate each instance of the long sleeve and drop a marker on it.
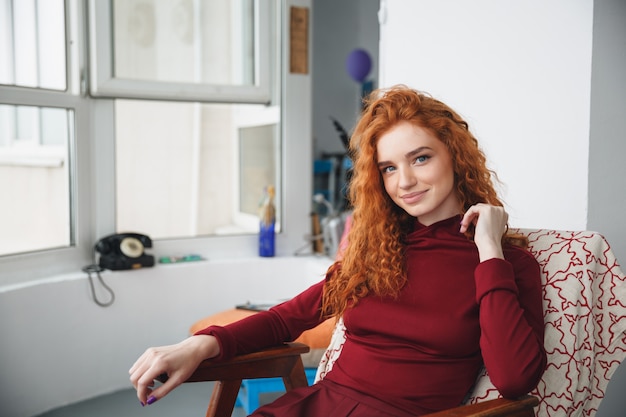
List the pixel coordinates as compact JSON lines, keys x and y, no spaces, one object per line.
{"x":282,"y":323}
{"x":511,"y":322}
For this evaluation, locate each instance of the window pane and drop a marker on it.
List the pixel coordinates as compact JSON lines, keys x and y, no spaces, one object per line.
{"x":35,"y":212}
{"x":178,"y":171}
{"x":211,"y":41}
{"x":32,"y":44}
{"x":51,"y":44}
{"x":27,"y":125}
{"x":257,"y":150}
{"x":54,"y":127}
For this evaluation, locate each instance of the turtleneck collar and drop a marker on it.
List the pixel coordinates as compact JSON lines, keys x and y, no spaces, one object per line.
{"x":450,"y":225}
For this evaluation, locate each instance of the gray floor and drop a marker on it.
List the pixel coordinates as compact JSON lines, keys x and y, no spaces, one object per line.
{"x":191,"y":400}
{"x":188,"y":400}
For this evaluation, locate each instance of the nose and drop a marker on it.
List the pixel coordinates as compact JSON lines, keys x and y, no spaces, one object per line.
{"x":407,"y":177}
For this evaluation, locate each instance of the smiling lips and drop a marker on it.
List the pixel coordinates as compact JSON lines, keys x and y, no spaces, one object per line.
{"x":413,"y":198}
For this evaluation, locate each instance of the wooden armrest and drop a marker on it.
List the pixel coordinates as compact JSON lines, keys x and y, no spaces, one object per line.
{"x":522,"y":407}
{"x":272,"y":362}
{"x":280,"y":361}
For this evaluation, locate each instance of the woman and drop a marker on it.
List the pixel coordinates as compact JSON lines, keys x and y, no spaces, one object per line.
{"x":430,"y":286}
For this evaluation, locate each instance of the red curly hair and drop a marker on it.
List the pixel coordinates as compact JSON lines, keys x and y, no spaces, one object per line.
{"x":373,"y":261}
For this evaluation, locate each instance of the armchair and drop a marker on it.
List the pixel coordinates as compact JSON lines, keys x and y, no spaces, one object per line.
{"x":584,"y":299}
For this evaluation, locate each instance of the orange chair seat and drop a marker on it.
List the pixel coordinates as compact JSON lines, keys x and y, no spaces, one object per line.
{"x":316,"y":338}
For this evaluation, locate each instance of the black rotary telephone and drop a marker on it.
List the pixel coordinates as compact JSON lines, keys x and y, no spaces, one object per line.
{"x":124,"y":251}
{"x":118,"y":252}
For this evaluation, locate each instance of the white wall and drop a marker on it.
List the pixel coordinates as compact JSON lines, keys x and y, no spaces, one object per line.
{"x":520,"y":73}
{"x":607,"y":144}
{"x":58,"y":347}
{"x":607,"y":147}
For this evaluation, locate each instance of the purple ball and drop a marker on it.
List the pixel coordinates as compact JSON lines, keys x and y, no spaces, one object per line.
{"x":358,"y":65}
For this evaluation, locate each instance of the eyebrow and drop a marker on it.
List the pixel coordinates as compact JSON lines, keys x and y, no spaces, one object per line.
{"x":408,"y":155}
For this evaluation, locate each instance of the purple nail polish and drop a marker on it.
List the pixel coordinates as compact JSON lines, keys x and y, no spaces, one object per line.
{"x":151,"y":400}
{"x":142,"y":403}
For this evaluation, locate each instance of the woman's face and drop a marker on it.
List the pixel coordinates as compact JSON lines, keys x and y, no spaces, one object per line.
{"x":417,"y":172}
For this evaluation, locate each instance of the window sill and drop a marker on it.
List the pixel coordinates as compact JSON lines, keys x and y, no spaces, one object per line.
{"x":34,"y":157}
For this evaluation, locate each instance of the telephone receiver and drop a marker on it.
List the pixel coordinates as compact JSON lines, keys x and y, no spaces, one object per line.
{"x":124,"y":251}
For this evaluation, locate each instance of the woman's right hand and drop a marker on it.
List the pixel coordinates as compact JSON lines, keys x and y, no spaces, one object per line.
{"x":176,"y":361}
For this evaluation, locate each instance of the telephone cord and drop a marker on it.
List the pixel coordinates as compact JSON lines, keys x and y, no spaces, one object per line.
{"x":97,"y":269}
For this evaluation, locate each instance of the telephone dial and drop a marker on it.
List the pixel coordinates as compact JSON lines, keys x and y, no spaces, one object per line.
{"x":124,"y":251}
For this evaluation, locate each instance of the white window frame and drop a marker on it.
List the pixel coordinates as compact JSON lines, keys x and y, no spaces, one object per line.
{"x":296,"y":164}
{"x":31,"y":151}
{"x":105,"y":86}
{"x":103,"y":83}
{"x":22,"y":268}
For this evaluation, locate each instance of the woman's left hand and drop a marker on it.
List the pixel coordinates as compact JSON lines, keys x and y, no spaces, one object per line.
{"x":490,"y":224}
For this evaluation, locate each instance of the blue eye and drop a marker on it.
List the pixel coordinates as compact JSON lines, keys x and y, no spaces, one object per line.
{"x":387,"y":169}
{"x":421,"y":159}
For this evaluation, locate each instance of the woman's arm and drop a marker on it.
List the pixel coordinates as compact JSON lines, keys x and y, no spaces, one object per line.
{"x":176,"y":361}
{"x":511,"y":322}
{"x":282,"y":323}
{"x":509,"y":296}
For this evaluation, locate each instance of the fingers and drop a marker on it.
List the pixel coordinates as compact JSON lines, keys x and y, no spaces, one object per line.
{"x":146,"y":371}
{"x":490,"y":224}
{"x":138,"y":375}
{"x":488,"y":219}
{"x":471,"y":216}
{"x":149,"y":390}
{"x":175,"y":362}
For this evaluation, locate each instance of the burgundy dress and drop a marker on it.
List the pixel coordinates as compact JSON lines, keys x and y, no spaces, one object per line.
{"x":420,"y":352}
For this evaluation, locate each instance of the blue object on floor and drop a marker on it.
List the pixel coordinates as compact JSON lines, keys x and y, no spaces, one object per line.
{"x":248,"y":396}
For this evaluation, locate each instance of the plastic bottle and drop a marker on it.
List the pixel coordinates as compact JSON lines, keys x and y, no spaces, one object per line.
{"x":267,"y":216}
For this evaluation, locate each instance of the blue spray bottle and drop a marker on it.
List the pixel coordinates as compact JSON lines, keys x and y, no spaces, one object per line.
{"x":267,"y":216}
